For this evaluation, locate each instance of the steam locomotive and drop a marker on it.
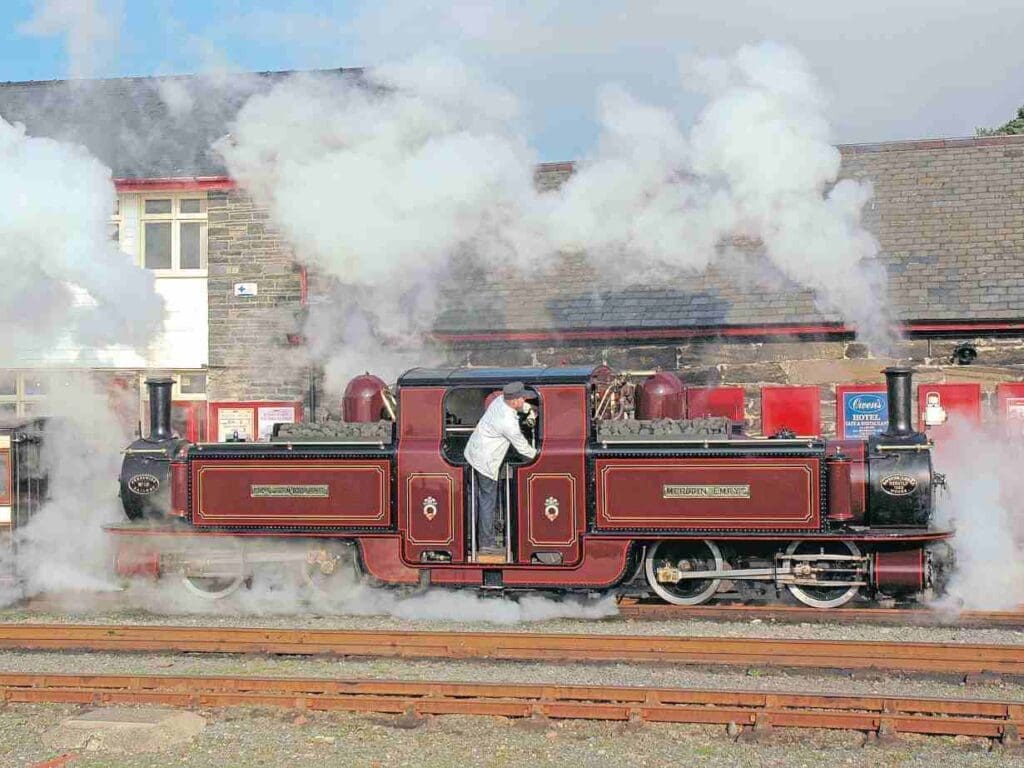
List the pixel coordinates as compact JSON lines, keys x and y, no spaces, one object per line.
{"x":624,"y":495}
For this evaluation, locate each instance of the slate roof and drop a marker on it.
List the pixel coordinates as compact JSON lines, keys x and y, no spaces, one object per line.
{"x":138,"y":126}
{"x":948,"y":213}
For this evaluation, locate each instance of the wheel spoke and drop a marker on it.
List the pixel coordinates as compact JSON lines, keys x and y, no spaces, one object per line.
{"x":824,"y":596}
{"x":670,"y":557}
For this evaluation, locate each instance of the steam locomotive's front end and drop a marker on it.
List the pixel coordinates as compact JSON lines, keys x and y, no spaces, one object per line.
{"x":146,"y":474}
{"x":899,"y":478}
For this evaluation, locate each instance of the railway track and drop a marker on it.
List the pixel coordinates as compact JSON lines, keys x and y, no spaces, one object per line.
{"x":886,"y":714}
{"x":920,"y":658}
{"x":912,"y":617}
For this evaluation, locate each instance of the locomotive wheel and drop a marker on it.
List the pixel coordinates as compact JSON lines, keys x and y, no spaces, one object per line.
{"x":684,"y":556}
{"x":217,"y":573}
{"x":326,"y":568}
{"x":824,"y":597}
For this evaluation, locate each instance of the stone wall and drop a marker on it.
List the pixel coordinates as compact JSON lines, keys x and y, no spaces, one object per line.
{"x":754,"y":365}
{"x":250,"y":355}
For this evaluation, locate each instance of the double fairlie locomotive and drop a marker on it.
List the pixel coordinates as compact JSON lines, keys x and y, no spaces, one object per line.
{"x":623,"y":495}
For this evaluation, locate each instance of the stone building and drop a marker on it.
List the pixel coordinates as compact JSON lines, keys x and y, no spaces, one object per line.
{"x":949,"y":215}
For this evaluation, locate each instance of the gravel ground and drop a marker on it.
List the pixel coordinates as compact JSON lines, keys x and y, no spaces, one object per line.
{"x":662,"y":675}
{"x":261,"y":738}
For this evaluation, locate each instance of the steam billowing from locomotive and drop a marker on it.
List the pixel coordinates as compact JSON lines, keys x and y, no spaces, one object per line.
{"x":69,"y":294}
{"x":391,"y":180}
{"x":69,"y":299}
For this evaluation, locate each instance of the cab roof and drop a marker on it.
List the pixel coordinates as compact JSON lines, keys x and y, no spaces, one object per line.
{"x":484,"y":377}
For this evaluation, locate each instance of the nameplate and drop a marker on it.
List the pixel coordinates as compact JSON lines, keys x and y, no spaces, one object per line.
{"x":705,"y":492}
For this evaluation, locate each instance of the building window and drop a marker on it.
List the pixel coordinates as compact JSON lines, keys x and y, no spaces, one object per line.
{"x":115,"y":223}
{"x":174,"y":233}
{"x":27,"y":393}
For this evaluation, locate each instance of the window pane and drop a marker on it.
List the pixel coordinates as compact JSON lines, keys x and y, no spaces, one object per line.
{"x":34,"y":407}
{"x":191,"y":205}
{"x":191,"y":245}
{"x":115,"y":232}
{"x":193,"y":383}
{"x":36,"y":384}
{"x":8,"y":383}
{"x":117,"y":206}
{"x":8,"y":409}
{"x":158,"y":206}
{"x":158,"y":245}
{"x":5,"y":473}
{"x":179,"y":420}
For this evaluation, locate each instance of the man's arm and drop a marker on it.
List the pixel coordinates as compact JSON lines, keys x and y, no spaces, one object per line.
{"x":510,"y":429}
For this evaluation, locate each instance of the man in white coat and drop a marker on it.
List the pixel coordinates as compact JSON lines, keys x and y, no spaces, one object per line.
{"x":497,"y":429}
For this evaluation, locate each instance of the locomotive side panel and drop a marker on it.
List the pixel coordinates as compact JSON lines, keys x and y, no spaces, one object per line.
{"x":430,"y":490}
{"x":687,"y":494}
{"x":552,"y":489}
{"x":297,"y":492}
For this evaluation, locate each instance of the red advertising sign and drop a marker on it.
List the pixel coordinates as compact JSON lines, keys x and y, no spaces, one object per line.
{"x":1010,"y":402}
{"x":794,"y":408}
{"x":960,"y":401}
{"x":715,"y":401}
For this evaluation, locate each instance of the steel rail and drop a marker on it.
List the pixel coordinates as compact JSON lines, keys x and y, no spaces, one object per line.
{"x":967,"y":717}
{"x":934,"y":658}
{"x":920,"y":617}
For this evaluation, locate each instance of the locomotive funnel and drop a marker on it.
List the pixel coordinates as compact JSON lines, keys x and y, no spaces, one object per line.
{"x":159,"y":408}
{"x":897,"y":383}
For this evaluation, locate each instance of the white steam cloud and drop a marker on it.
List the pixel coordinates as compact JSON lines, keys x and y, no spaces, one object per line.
{"x":381,"y":180}
{"x":66,"y":285}
{"x":69,"y":297}
{"x":275,"y":592}
{"x":983,"y":504}
{"x":64,"y":548}
{"x":387,"y":180}
{"x":91,"y":29}
{"x":757,"y":166}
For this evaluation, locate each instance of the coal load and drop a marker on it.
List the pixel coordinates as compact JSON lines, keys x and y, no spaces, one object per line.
{"x":334,"y":431}
{"x":714,"y":427}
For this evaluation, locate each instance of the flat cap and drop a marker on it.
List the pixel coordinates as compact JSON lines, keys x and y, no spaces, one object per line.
{"x":515,"y":389}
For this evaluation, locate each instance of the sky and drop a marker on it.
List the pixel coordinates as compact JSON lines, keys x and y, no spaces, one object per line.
{"x":893,"y":69}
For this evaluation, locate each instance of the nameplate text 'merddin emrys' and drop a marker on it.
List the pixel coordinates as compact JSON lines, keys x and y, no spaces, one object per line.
{"x":705,"y":492}
{"x":289,"y":491}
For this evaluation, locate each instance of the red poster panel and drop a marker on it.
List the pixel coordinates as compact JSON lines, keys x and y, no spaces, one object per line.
{"x":1010,"y":402}
{"x":715,"y":401}
{"x":859,"y":417}
{"x":250,"y":421}
{"x":794,"y":408}
{"x":962,"y":402}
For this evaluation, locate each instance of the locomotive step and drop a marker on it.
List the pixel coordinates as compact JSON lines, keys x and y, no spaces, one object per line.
{"x":497,"y":558}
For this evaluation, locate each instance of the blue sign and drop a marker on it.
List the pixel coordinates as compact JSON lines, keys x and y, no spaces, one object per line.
{"x":865,"y":414}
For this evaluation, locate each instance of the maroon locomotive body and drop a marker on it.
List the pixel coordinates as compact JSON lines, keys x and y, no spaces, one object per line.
{"x":623,"y":495}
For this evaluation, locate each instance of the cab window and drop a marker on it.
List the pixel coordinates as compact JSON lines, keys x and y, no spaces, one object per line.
{"x":463,"y":407}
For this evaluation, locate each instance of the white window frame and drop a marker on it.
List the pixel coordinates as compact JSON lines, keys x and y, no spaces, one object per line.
{"x":21,"y":399}
{"x":176,"y":393}
{"x":175,"y":218}
{"x":115,"y":221}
